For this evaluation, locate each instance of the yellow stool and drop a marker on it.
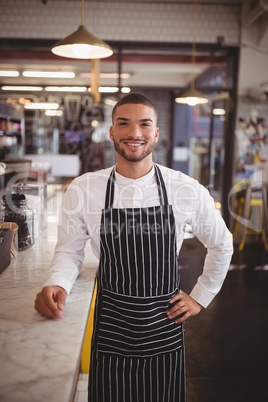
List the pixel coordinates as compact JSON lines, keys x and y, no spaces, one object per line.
{"x":245,"y":209}
{"x":85,"y":356}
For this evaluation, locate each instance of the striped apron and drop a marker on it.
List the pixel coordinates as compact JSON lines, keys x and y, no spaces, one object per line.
{"x":137,"y":353}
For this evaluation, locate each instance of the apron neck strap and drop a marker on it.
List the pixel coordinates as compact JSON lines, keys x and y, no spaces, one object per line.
{"x":109,"y":199}
{"x":161,"y":186}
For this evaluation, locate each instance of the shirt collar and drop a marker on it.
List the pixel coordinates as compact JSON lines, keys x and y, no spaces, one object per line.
{"x":122,"y":180}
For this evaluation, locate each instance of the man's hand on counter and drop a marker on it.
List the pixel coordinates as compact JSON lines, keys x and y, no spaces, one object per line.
{"x":50,"y":301}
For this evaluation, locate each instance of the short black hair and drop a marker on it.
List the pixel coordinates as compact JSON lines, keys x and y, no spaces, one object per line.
{"x":134,"y":98}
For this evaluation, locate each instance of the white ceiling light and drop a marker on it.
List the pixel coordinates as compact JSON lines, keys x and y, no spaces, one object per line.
{"x":21,"y":88}
{"x":125,"y":90}
{"x":112,"y":90}
{"x":219,"y":112}
{"x":53,"y":112}
{"x":65,"y":89}
{"x":41,"y":105}
{"x":9,"y":73}
{"x":82,"y":44}
{"x":107,"y":75}
{"x":48,"y":74}
{"x":109,"y":90}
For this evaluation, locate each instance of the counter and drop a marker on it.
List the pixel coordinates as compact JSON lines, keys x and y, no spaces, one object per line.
{"x":39,"y":357}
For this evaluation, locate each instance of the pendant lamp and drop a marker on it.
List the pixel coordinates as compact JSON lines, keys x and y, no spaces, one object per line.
{"x":82,"y":44}
{"x":192,"y":97}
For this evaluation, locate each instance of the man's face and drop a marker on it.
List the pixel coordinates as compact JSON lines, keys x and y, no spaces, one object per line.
{"x":134,"y":131}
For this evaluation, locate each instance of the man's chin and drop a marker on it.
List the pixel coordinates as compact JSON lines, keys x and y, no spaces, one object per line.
{"x":133,"y":158}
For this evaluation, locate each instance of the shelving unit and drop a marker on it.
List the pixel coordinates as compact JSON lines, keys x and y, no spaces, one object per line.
{"x":12,"y":135}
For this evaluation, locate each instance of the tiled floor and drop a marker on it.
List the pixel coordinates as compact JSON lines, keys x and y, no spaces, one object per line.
{"x":227,"y":343}
{"x":81,"y":389}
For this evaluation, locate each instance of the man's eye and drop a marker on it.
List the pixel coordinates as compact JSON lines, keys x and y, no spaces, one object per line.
{"x":123,"y":123}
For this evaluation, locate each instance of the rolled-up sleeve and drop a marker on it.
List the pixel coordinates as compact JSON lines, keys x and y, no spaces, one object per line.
{"x":72,"y":237}
{"x":209,"y":227}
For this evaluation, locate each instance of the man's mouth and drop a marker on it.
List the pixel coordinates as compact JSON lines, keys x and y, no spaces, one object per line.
{"x":134,"y":144}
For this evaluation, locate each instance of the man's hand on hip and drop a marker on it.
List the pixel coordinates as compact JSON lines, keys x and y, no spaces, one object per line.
{"x":183,"y":307}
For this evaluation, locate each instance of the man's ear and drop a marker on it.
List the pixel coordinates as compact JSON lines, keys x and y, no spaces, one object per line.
{"x":156,"y":138}
{"x":111,"y":131}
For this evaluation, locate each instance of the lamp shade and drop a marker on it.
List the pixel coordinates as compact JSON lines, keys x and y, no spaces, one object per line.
{"x":82,"y":45}
{"x":191,"y":97}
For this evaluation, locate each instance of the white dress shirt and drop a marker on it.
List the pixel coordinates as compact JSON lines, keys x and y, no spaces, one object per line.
{"x":80,"y":220}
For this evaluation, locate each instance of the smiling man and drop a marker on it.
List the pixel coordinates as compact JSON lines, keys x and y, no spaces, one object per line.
{"x":135,"y":214}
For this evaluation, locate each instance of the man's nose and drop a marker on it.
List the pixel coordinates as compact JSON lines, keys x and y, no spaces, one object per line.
{"x":137,"y":131}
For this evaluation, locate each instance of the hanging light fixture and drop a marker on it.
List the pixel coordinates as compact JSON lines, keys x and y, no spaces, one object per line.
{"x":82,"y":44}
{"x":192,"y":97}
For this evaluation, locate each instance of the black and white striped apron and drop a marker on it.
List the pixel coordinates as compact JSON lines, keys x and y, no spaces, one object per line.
{"x":137,"y":353}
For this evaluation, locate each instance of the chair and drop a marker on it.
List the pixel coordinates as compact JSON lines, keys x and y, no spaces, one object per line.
{"x":249,"y":198}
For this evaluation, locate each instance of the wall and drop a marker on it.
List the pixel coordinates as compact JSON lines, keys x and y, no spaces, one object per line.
{"x":115,"y":20}
{"x":253,"y":71}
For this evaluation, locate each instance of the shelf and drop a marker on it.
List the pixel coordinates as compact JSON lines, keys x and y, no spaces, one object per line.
{"x":12,"y":135}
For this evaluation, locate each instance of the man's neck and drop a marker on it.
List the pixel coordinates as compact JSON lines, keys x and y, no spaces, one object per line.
{"x":133,"y":170}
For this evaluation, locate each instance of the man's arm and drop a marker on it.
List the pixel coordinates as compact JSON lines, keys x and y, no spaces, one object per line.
{"x":68,"y":256}
{"x":211,"y":230}
{"x":209,"y":227}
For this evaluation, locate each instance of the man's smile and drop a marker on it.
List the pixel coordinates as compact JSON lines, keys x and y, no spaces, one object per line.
{"x":132,"y":143}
